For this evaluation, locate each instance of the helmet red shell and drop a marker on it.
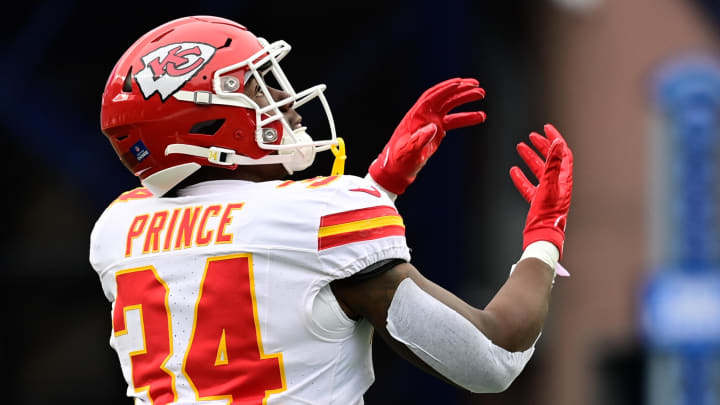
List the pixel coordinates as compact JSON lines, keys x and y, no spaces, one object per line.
{"x":140,"y":126}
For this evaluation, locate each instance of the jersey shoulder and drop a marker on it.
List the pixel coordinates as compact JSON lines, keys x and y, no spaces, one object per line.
{"x":126,"y":202}
{"x":334,"y":195}
{"x":358,"y":224}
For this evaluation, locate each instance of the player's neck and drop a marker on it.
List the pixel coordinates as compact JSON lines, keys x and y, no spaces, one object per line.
{"x":256,"y":174}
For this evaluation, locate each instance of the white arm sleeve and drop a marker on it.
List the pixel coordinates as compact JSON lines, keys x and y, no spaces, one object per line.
{"x":449,"y":343}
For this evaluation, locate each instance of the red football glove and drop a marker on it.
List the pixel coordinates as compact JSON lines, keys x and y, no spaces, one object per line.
{"x":550,"y":199}
{"x":422,"y":129}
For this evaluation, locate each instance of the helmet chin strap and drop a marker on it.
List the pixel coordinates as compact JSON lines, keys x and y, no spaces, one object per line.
{"x":161,"y":182}
{"x":338,"y":168}
{"x":292,"y":160}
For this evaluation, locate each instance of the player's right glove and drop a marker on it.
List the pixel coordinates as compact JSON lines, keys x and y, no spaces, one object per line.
{"x":422,"y":129}
{"x":550,"y":199}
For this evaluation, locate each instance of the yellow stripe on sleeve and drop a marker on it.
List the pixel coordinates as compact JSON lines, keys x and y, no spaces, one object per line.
{"x":361,"y":225}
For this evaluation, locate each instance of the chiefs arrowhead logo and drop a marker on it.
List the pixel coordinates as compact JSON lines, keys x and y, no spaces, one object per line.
{"x":169,"y":67}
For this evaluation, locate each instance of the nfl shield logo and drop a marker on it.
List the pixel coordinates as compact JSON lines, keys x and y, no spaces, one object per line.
{"x":140,"y":151}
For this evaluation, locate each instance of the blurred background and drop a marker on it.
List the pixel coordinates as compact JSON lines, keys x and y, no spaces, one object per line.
{"x":610,"y":74}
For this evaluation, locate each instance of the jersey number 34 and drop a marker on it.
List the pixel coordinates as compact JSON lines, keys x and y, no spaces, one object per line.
{"x":225,"y":359}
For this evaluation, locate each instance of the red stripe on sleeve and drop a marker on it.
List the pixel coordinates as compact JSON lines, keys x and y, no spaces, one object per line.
{"x":357,"y":215}
{"x":327,"y":242}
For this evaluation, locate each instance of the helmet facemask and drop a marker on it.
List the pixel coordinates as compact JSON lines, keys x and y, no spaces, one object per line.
{"x":296,"y":149}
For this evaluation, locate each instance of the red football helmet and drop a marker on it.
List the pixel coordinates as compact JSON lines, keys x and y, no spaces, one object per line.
{"x":174,"y":102}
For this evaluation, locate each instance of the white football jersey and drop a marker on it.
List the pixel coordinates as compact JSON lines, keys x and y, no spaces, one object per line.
{"x":213,"y":291}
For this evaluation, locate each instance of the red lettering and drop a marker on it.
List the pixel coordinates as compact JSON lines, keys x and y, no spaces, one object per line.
{"x":312,"y":179}
{"x":136,"y":229}
{"x":141,"y":289}
{"x":225,"y":359}
{"x":186,"y":227}
{"x":226,"y":308}
{"x":153,"y":234}
{"x":323,"y":181}
{"x":171,"y":229}
{"x":203,"y":240}
{"x":136,"y":194}
{"x":222,"y":237}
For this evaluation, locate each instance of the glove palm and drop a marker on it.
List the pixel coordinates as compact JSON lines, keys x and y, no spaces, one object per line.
{"x":420,"y":132}
{"x":550,"y":199}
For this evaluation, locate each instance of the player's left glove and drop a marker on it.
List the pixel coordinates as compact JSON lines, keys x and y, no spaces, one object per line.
{"x":422,"y":129}
{"x":550,"y":199}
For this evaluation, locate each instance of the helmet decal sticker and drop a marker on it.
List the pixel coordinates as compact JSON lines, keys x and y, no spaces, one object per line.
{"x":169,"y":67}
{"x":140,"y":151}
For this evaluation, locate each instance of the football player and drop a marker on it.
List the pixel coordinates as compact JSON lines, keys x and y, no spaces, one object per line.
{"x":229,"y":284}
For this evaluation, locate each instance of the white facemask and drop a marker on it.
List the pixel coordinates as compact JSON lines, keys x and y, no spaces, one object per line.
{"x":303,"y":156}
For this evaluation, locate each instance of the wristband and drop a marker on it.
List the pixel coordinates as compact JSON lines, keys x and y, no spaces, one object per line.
{"x":544,"y":251}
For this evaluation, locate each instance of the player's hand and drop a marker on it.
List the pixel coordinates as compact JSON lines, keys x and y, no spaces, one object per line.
{"x":550,"y":199}
{"x":422,"y":129}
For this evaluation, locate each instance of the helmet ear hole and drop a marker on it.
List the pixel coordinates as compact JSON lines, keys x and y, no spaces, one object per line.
{"x":209,"y":127}
{"x":127,"y":84}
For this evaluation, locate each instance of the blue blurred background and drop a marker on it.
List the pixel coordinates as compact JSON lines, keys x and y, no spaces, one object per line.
{"x":587,"y":66}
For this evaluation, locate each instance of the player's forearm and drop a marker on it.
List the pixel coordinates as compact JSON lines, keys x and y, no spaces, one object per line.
{"x":514,"y":317}
{"x":449,"y":336}
{"x":517,"y":313}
